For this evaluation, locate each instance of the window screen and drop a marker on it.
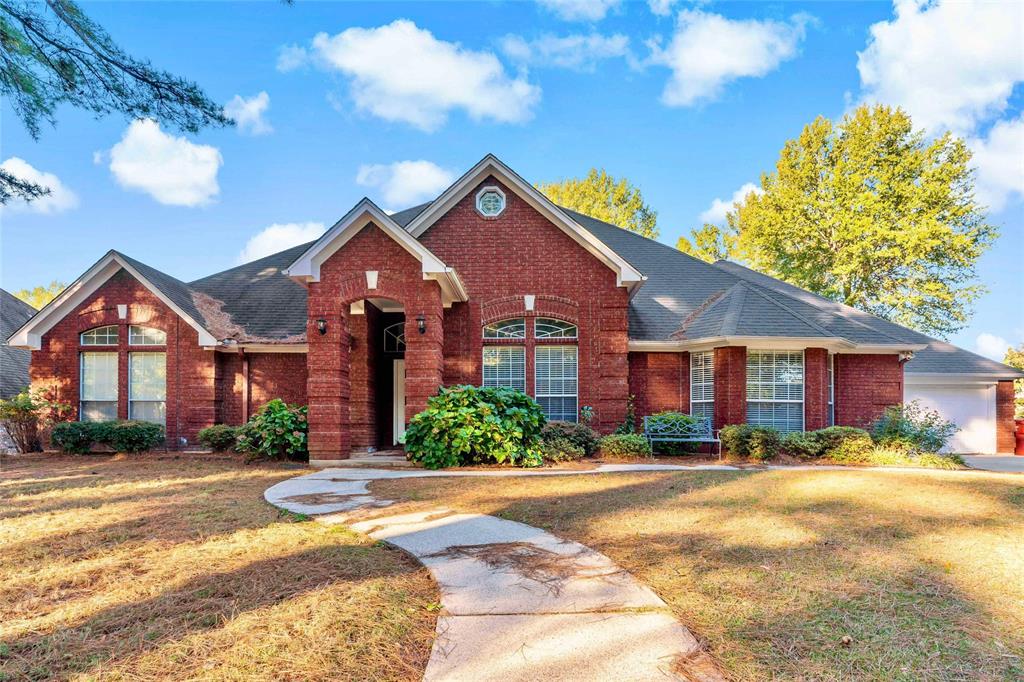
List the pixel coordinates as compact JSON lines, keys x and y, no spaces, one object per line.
{"x":98,"y":387}
{"x":556,"y":381}
{"x":775,"y":389}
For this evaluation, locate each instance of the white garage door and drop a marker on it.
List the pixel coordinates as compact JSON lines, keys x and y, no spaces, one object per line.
{"x":972,"y":408}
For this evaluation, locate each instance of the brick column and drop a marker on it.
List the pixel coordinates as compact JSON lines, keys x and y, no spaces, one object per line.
{"x":815,"y":389}
{"x":364,"y":330}
{"x":730,"y":386}
{"x":424,"y":359}
{"x":328,"y":388}
{"x":1006,"y":440}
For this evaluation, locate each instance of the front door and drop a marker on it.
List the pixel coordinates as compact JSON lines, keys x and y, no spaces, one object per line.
{"x":398,"y":419}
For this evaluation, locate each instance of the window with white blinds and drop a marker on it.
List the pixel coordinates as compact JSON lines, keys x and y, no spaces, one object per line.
{"x":147,"y":387}
{"x":556,"y":371}
{"x":702,"y":384}
{"x":831,"y":390}
{"x":775,"y":389}
{"x":505,"y":366}
{"x":98,"y":387}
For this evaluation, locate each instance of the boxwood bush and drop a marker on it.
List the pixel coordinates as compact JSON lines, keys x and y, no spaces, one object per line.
{"x":736,"y":439}
{"x":579,"y":434}
{"x":764,"y":444}
{"x":121,"y":436}
{"x":624,"y":446}
{"x":557,"y":450}
{"x":471,"y":424}
{"x":219,"y":437}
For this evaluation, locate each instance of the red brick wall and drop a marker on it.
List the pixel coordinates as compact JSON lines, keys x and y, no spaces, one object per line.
{"x":520,"y":252}
{"x":815,"y":389}
{"x":730,"y":386}
{"x":659,"y":382}
{"x":191,"y":395}
{"x":271,"y":375}
{"x":1005,"y":426}
{"x":331,"y":378}
{"x":865,"y":385}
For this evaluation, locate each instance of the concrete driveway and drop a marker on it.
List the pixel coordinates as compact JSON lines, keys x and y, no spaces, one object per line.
{"x":1005,"y":463}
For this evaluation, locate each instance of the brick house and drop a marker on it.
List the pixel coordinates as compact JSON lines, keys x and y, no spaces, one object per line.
{"x":491,"y":284}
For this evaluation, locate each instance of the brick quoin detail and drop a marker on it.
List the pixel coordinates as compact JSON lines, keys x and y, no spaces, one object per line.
{"x":337,"y":422}
{"x":1006,"y":440}
{"x":517,"y":253}
{"x":865,"y":385}
{"x":815,"y":389}
{"x":730,"y":386}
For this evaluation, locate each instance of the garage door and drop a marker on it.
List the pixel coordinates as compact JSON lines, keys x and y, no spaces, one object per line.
{"x":972,"y":408}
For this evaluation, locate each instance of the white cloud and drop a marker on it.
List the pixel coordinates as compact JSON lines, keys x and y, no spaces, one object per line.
{"x":662,"y":8}
{"x":401,"y":72}
{"x":991,"y":346}
{"x":248,"y":114}
{"x":405,"y":183}
{"x":951,"y":65}
{"x":170,"y":169}
{"x":715,"y":213}
{"x":708,"y":50}
{"x":580,"y":10}
{"x":1000,"y":162}
{"x":291,"y":57}
{"x":278,"y":237}
{"x":58,"y":200}
{"x":580,"y":52}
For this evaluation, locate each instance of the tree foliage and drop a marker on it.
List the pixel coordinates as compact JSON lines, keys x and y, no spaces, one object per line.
{"x":51,"y":54}
{"x":1015,"y":358}
{"x":601,"y":196}
{"x":871,"y":213}
{"x":41,"y":295}
{"x":710,"y":243}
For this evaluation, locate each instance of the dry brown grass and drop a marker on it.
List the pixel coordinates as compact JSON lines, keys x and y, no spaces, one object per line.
{"x":150,"y":568}
{"x":799,"y":575}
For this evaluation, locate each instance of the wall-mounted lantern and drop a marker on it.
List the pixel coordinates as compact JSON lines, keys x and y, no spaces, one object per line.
{"x":321,"y":326}
{"x":421,"y":323}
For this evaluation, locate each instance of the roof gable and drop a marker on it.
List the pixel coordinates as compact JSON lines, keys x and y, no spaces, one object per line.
{"x":306,"y":267}
{"x":174,"y":293}
{"x":626,"y":275}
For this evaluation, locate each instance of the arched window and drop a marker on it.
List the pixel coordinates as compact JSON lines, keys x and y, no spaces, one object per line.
{"x":394,"y":338}
{"x":100,"y":336}
{"x":552,"y":345}
{"x":146,"y":336}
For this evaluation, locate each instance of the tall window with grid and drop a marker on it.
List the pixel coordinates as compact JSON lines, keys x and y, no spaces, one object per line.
{"x":775,"y":389}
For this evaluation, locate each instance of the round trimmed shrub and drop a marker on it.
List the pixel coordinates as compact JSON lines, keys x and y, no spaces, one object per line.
{"x":804,"y":445}
{"x":624,"y":446}
{"x":472,"y":424}
{"x":579,"y":434}
{"x":129,"y":435}
{"x":736,"y":439}
{"x":854,"y":449}
{"x":833,"y":436}
{"x":557,"y":450}
{"x":72,"y":437}
{"x":219,"y":437}
{"x":764,"y":444}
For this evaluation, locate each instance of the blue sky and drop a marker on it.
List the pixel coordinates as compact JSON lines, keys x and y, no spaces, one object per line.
{"x":689,"y":101}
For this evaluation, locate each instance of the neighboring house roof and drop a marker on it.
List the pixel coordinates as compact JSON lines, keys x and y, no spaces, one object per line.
{"x":13,"y":361}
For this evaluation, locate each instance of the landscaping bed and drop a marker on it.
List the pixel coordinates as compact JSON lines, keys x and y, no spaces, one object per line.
{"x":824,"y":575}
{"x":154,"y":567}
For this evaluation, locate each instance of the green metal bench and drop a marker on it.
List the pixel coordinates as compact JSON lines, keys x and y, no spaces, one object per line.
{"x":662,"y":431}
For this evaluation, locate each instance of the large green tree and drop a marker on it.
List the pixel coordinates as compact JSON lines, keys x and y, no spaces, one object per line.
{"x":1015,"y":358}
{"x":39,"y":296}
{"x":710,"y":243}
{"x":872,"y":213}
{"x":606,"y":198}
{"x":51,"y":54}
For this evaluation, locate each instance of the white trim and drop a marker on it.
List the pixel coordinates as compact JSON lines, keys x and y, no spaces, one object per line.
{"x":306,"y":268}
{"x":484,"y":190}
{"x":626,"y":275}
{"x":30,"y":334}
{"x":264,"y":348}
{"x":959,"y":379}
{"x":833,"y":344}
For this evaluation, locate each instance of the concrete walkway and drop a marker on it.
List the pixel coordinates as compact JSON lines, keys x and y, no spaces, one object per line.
{"x":519,"y":603}
{"x":1013,"y":464}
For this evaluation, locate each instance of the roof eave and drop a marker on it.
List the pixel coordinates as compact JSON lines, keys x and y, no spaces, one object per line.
{"x":832,"y":343}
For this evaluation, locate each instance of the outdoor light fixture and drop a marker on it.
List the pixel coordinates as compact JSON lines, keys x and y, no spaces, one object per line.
{"x":321,"y":326}
{"x":421,"y":323}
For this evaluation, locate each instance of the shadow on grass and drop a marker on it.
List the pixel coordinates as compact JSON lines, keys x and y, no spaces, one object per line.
{"x":774,"y":576}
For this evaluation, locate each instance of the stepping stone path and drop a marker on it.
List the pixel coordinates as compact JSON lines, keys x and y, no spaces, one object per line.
{"x":518,"y":602}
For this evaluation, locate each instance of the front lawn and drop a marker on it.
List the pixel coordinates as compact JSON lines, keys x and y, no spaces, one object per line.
{"x":156,"y":568}
{"x":823,"y":575}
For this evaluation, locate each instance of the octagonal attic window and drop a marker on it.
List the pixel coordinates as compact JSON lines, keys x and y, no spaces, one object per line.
{"x":490,"y":202}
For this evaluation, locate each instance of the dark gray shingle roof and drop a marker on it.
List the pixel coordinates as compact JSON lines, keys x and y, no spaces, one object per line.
{"x":13,"y":361}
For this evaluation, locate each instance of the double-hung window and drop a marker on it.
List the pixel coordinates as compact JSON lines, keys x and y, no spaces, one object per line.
{"x":831,"y":389}
{"x":557,"y":386}
{"x":505,"y":366}
{"x":98,"y":386}
{"x":775,"y":389}
{"x":147,"y":387}
{"x":702,"y":384}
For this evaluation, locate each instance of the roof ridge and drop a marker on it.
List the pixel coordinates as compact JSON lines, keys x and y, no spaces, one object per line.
{"x":823,"y":299}
{"x":250,"y":263}
{"x":810,"y":323}
{"x":708,"y":304}
{"x":732,"y":315}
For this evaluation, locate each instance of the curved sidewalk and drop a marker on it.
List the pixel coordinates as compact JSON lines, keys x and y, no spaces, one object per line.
{"x":519,"y":603}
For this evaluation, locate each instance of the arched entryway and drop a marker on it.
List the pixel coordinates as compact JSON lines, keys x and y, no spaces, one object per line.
{"x":377,"y":413}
